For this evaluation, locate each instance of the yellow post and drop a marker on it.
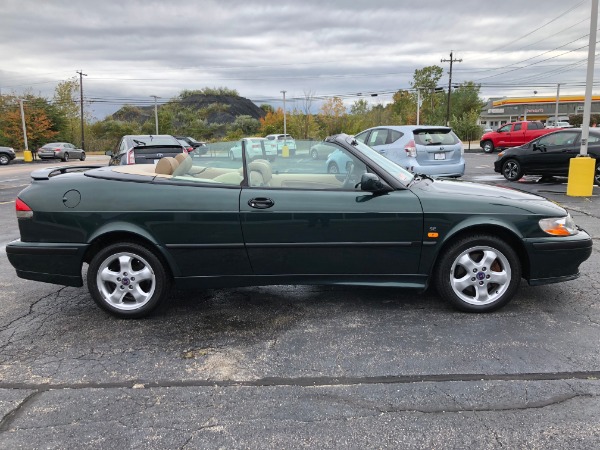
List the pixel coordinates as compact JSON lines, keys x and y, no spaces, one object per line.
{"x":27,"y":156}
{"x":285,"y":151}
{"x":581,"y":176}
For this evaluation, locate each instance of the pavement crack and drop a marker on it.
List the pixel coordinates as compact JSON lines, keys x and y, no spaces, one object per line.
{"x":9,"y":418}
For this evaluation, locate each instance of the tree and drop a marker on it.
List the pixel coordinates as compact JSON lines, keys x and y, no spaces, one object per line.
{"x":333,"y":114}
{"x":66,"y":102}
{"x":404,"y":107}
{"x":37,"y":123}
{"x":433,"y":106}
{"x":272,"y":122}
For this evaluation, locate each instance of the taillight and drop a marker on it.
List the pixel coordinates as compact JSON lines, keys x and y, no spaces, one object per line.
{"x":411,"y":149}
{"x":23,"y":211}
{"x":130,"y":156}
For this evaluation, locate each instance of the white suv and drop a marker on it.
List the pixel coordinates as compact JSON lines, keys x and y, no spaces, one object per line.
{"x":281,"y":140}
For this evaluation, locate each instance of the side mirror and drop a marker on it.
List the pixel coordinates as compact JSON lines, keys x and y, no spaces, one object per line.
{"x":540,"y":147}
{"x":371,"y":183}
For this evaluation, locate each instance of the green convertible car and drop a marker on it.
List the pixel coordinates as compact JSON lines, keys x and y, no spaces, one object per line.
{"x":208,"y":221}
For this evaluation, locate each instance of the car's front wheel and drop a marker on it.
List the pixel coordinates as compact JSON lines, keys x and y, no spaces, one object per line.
{"x":597,"y":175}
{"x":127,"y":280}
{"x":478,"y":273}
{"x":66,"y":157}
{"x":82,"y":157}
{"x":4,"y":160}
{"x":488,"y":147}
{"x":511,"y":170}
{"x":333,"y":168}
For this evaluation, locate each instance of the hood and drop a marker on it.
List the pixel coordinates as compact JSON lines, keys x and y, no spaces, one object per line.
{"x":458,"y":194}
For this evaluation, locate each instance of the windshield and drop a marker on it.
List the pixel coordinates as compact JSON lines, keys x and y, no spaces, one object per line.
{"x":398,"y":172}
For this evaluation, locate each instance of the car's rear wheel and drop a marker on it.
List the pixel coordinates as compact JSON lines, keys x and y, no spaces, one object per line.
{"x":82,"y":157}
{"x":597,"y":175}
{"x":488,"y":147}
{"x":478,"y":273}
{"x":333,"y":168}
{"x":66,"y":157}
{"x":127,"y":280}
{"x":512,"y":170}
{"x":4,"y":160}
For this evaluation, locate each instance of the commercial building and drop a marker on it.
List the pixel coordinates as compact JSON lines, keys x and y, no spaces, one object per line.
{"x":499,"y":111}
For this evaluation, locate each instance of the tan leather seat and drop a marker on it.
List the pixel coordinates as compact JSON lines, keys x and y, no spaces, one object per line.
{"x":166,"y":166}
{"x":259,"y":173}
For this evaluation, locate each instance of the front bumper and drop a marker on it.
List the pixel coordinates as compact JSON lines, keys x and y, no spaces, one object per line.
{"x":50,"y":263}
{"x":552,"y":260}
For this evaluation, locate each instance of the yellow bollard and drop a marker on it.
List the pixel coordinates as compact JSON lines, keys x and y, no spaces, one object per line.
{"x":27,"y":156}
{"x":581,"y":176}
{"x":285,"y":151}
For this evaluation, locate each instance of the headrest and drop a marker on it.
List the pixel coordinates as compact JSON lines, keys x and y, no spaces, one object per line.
{"x":185,"y":164}
{"x":166,"y":166}
{"x":262,"y":172}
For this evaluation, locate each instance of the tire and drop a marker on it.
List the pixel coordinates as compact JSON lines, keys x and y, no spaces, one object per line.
{"x":82,"y":157}
{"x":597,"y":175}
{"x":478,"y":273}
{"x":66,"y":157}
{"x":333,"y":168}
{"x":511,"y":170}
{"x":314,"y":154}
{"x":127,"y":280}
{"x":4,"y":160}
{"x":488,"y":147}
{"x":231,"y":155}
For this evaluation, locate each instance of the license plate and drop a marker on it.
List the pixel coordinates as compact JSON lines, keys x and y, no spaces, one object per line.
{"x":439,"y":156}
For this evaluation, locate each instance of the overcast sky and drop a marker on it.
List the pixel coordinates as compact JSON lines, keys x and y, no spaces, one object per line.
{"x":133,"y":49}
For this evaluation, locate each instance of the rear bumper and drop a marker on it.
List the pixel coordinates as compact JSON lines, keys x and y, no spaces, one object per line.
{"x":553,"y":260}
{"x":441,"y":170}
{"x":50,"y":263}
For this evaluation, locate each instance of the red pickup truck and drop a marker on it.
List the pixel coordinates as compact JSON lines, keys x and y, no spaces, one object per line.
{"x":513,"y":134}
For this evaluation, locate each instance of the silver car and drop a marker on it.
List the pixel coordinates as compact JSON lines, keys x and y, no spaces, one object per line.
{"x":60,"y":150}
{"x":428,"y":150}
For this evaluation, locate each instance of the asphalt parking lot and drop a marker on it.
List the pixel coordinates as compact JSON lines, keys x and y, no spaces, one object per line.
{"x":303,"y":366}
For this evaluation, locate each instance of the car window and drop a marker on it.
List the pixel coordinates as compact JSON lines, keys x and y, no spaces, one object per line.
{"x":361,"y":137}
{"x":377,"y":137}
{"x":435,"y":137}
{"x":504,"y":129}
{"x":518,"y":126}
{"x":558,"y":139}
{"x":394,"y":135}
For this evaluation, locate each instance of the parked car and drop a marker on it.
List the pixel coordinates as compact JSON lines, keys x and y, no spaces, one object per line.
{"x":200,"y":147}
{"x":559,"y":124}
{"x":338,"y":162}
{"x":428,"y":150}
{"x":60,"y":150}
{"x":144,"y":149}
{"x":7,"y":154}
{"x":205,"y":222}
{"x":186,"y":145}
{"x":512,"y":135}
{"x":283,"y":139}
{"x":548,"y":155}
{"x":256,"y":147}
{"x":321,"y":150}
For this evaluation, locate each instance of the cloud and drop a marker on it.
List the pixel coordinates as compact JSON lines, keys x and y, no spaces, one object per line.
{"x":133,"y":49}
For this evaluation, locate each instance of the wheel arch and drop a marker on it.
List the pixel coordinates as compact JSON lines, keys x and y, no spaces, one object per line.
{"x":109,"y":236}
{"x":493,"y":228}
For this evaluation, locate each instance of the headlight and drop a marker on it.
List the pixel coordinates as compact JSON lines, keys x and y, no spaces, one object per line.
{"x":559,"y":226}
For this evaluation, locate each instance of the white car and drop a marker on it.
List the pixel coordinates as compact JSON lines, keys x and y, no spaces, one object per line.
{"x":283,"y":139}
{"x":256,"y":148}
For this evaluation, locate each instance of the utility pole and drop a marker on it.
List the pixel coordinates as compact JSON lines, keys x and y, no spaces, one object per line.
{"x":284,"y":123}
{"x":451,"y":60}
{"x":155,"y":112}
{"x":23,"y":123}
{"x":556,"y":111}
{"x":81,"y":75}
{"x":418,"y":105}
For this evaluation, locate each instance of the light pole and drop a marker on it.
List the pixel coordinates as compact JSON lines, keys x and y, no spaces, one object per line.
{"x":23,"y":123}
{"x":81,"y":75}
{"x":284,"y":149}
{"x":155,"y":112}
